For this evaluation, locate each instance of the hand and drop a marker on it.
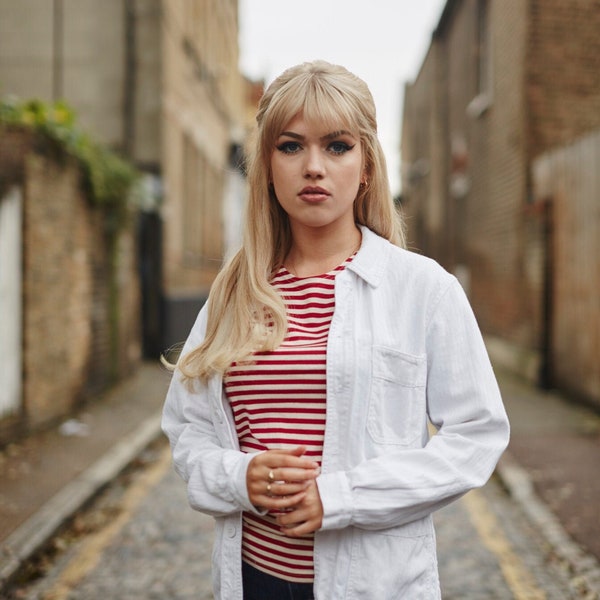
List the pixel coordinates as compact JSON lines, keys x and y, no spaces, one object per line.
{"x":291,"y":475}
{"x":306,"y":517}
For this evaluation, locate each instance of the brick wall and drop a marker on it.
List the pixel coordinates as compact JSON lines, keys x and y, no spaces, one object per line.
{"x":57,"y":290}
{"x":424,"y":229}
{"x":540,"y":88}
{"x":563,"y":79}
{"x":479,"y":155}
{"x":567,"y":181}
{"x":499,"y":172}
{"x":69,"y":352}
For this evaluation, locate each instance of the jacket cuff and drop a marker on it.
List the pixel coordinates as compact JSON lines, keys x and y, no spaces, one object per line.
{"x":236,"y":470}
{"x":336,"y":498}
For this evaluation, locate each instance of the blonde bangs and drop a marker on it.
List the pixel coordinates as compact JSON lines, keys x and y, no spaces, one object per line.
{"x":320,"y":103}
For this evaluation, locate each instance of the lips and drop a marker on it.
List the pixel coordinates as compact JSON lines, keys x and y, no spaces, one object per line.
{"x":314,"y":194}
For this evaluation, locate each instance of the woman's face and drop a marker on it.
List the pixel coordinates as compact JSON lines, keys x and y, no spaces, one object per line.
{"x":316,"y":173}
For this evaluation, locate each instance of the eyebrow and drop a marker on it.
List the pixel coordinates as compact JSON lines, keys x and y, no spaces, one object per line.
{"x":329,"y":136}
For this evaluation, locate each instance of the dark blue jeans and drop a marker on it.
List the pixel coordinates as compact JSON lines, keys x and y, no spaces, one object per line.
{"x":260,"y":586}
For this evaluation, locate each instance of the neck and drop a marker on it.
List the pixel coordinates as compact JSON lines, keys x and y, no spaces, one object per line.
{"x":315,"y":252}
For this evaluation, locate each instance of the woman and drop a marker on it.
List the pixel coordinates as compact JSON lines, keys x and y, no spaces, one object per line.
{"x":298,"y":413}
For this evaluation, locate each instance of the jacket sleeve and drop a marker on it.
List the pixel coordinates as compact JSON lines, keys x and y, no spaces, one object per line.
{"x":203,"y":449}
{"x":463,"y":403}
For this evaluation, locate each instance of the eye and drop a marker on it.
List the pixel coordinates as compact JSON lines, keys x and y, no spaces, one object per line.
{"x":289,"y":147}
{"x":339,"y":148}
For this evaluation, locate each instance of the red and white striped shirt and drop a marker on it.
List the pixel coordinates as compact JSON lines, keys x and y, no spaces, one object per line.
{"x":278,"y":401}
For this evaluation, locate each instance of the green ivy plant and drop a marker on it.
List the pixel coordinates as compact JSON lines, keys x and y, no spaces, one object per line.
{"x":108,"y":178}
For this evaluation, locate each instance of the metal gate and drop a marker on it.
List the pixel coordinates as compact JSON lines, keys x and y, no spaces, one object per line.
{"x":10,"y":301}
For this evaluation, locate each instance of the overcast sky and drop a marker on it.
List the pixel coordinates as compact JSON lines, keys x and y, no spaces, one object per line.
{"x":382,"y":41}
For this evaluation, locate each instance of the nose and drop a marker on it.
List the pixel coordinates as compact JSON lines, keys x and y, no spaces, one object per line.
{"x":314,"y":167}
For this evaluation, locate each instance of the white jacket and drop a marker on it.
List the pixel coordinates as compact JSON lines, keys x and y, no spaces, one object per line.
{"x":404,"y":348}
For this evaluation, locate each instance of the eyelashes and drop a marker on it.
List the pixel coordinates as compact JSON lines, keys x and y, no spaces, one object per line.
{"x":336,"y":148}
{"x":289,"y":147}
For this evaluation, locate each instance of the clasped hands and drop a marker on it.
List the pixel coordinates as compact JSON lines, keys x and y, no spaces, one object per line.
{"x":284,"y":482}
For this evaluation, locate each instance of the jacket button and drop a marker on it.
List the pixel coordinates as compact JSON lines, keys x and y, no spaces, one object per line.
{"x":231,"y":531}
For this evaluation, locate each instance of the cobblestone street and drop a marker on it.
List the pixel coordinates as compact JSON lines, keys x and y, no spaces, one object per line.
{"x":140,"y":541}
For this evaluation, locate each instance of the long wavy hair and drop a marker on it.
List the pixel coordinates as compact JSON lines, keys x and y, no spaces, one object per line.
{"x":245,"y":313}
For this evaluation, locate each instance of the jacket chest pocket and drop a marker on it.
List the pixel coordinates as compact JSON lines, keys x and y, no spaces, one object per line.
{"x":397,"y":398}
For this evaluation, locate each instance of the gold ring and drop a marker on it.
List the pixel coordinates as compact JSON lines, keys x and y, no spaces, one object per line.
{"x":268,"y":489}
{"x":271,"y":477}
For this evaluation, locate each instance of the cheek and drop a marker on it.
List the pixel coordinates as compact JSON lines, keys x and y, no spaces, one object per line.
{"x":277,"y":172}
{"x":283,"y":177}
{"x":353,"y":174}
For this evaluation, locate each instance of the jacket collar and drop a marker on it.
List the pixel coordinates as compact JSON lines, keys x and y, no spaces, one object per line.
{"x":372,"y":257}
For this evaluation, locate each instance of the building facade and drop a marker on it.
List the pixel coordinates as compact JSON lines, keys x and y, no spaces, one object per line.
{"x":157,"y":81}
{"x":502,"y":84}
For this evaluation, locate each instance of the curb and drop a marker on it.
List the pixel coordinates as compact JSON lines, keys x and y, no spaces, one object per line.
{"x":35,"y":533}
{"x":583,"y":568}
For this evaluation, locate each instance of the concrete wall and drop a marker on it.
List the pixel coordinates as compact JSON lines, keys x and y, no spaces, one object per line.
{"x":102,"y":57}
{"x":27,"y":52}
{"x":143,"y":135}
{"x":58,"y":50}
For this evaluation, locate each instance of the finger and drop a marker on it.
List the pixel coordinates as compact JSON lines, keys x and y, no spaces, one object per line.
{"x":281,"y":502}
{"x":301,"y":529}
{"x":298,"y":450}
{"x":272,"y":458}
{"x":294,"y":474}
{"x":290,"y":461}
{"x":295,"y":517}
{"x":286,"y":489}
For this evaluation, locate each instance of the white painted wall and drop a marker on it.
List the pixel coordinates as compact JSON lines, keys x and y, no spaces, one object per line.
{"x":10,"y":301}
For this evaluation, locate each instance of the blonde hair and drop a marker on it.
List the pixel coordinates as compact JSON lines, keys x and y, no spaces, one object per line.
{"x":245,"y":313}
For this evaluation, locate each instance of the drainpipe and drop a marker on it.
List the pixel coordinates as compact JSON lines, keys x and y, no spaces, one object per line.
{"x":547,"y":334}
{"x":129,"y":81}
